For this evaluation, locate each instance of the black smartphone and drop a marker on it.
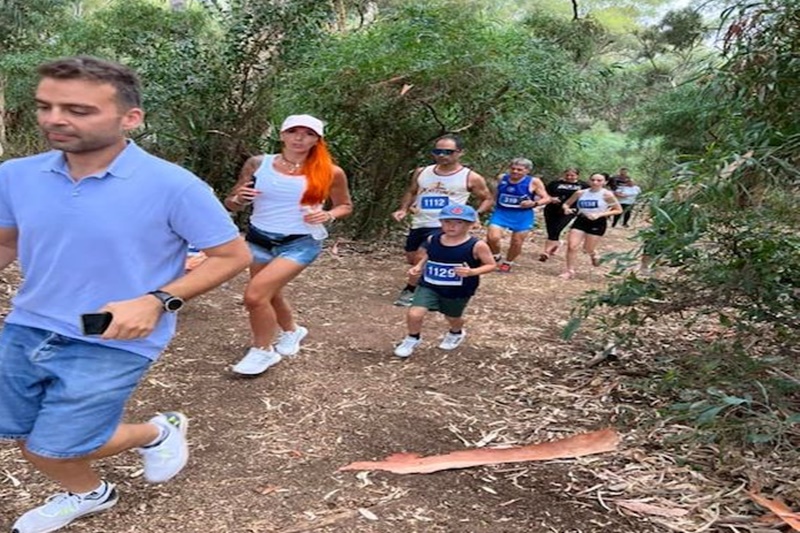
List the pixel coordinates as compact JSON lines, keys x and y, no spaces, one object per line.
{"x":95,"y":323}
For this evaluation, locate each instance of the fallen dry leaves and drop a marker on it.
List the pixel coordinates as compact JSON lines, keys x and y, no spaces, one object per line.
{"x":780,"y":509}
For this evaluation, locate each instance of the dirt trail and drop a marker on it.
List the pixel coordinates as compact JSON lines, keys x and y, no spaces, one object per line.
{"x":266,"y":450}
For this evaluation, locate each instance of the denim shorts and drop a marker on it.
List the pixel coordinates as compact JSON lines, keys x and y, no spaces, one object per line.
{"x":302,"y":250}
{"x":63,"y":396}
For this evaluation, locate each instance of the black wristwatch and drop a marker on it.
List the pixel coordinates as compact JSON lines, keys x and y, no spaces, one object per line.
{"x":171,"y":303}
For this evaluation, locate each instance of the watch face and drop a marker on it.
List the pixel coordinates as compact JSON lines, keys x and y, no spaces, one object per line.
{"x":173,"y":304}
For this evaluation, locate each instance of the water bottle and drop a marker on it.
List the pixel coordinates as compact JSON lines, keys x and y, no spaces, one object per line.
{"x":317,"y":231}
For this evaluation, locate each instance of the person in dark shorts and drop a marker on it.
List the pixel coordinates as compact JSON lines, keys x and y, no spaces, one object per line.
{"x":449,"y":277}
{"x":555,"y":219}
{"x":432,"y":188}
{"x":626,"y":194}
{"x":594,"y":206}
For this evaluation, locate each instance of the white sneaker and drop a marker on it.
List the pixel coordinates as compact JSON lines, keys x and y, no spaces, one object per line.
{"x":406,"y":347}
{"x":61,"y":509}
{"x":289,"y":341}
{"x":257,"y":361}
{"x":163,"y":462}
{"x":451,"y":341}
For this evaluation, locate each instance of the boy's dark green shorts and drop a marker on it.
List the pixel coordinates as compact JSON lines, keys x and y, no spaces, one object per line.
{"x":432,"y":301}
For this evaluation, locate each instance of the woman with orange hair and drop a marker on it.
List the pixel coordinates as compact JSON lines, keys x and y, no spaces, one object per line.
{"x":288,"y":192}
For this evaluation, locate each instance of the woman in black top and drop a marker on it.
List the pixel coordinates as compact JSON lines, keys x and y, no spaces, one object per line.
{"x":559,"y":190}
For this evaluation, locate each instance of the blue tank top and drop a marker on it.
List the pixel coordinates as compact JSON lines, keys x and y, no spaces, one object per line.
{"x":439,"y":273}
{"x":510,"y":195}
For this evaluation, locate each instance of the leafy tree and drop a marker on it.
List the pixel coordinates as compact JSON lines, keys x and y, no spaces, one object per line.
{"x":422,"y":70}
{"x":208,"y":70}
{"x":24,"y":24}
{"x":725,"y":224}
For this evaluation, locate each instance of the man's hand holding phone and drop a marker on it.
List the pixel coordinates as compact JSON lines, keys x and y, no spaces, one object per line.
{"x":128,"y":319}
{"x":95,"y":323}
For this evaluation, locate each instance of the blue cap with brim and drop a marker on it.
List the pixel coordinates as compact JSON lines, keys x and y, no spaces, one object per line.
{"x":458,"y":212}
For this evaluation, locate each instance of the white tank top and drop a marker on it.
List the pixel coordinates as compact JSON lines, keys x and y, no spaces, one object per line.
{"x":436,"y":191}
{"x":277,"y":209}
{"x":592,"y":203}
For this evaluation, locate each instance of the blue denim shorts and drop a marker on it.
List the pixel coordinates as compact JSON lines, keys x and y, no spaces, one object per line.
{"x":63,"y":396}
{"x":303,"y":250}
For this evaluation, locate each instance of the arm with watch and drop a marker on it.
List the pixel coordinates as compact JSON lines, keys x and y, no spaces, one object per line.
{"x":137,"y":317}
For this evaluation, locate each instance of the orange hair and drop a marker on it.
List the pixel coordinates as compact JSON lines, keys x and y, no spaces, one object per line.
{"x":318,"y":170}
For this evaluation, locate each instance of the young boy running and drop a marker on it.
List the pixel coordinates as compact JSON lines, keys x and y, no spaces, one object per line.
{"x":450,"y":275}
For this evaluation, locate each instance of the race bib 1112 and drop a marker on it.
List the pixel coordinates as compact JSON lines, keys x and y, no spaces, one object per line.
{"x":433,"y":202}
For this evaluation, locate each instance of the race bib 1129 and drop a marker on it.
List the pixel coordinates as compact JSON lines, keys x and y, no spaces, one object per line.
{"x":442,"y":274}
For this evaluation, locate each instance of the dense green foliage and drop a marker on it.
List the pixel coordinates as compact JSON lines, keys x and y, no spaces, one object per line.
{"x":713,"y":137}
{"x":725,"y":223}
{"x":426,"y":70}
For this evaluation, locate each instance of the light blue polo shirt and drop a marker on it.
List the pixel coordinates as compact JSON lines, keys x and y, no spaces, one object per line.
{"x":109,"y":237}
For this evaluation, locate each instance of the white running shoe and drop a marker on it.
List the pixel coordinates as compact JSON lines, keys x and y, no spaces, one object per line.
{"x":405,"y":298}
{"x":451,"y":341}
{"x":257,"y":361}
{"x":163,"y":461}
{"x":61,"y":509}
{"x":289,"y":341}
{"x":406,"y":347}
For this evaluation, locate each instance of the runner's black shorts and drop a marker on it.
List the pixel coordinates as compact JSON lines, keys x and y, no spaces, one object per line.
{"x":591,"y":227}
{"x":417,"y":237}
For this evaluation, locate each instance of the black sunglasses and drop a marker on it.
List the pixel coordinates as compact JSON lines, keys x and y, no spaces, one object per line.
{"x":443,"y":151}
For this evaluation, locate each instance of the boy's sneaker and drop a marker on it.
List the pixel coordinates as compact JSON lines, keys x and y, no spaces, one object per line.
{"x":257,"y":361}
{"x":504,"y":268}
{"x":405,"y":298}
{"x":163,"y":461}
{"x":61,"y":509}
{"x":289,"y":341}
{"x":451,"y":341}
{"x":406,"y":347}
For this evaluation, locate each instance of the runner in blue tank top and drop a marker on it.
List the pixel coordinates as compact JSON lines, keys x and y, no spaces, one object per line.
{"x":449,"y":275}
{"x":518,"y":194}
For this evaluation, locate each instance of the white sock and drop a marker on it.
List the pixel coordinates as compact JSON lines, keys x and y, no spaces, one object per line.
{"x":162,"y":434}
{"x":95,"y":493}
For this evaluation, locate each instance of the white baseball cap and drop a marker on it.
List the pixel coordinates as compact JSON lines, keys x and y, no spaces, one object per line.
{"x":307,"y":121}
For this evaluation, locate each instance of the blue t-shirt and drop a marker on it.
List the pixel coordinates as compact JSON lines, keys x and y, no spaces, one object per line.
{"x":109,"y":237}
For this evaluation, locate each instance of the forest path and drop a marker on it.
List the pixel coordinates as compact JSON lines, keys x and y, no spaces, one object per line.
{"x":265,"y":451}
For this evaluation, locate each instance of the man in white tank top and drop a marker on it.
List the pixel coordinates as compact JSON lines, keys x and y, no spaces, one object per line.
{"x":432,"y":188}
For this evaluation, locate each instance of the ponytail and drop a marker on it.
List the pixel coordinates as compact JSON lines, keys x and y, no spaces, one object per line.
{"x":318,"y":170}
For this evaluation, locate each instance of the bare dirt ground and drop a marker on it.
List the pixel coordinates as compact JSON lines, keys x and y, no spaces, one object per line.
{"x":265,"y":451}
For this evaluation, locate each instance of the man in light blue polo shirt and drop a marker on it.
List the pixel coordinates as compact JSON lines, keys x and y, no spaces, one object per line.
{"x":98,"y":225}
